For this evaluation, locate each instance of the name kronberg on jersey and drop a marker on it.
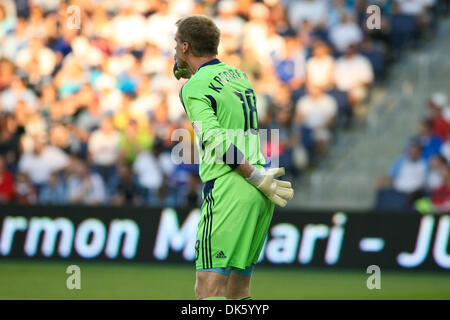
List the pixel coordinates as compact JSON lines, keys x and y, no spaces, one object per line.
{"x":222,"y":78}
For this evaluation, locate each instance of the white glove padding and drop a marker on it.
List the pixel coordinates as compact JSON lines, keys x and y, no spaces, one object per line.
{"x":276,"y":190}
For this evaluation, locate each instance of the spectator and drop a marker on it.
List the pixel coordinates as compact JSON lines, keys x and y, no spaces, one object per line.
{"x":290,"y":145}
{"x":152,"y":169}
{"x":47,"y":98}
{"x":63,"y":45}
{"x":440,"y":196}
{"x":60,"y":137}
{"x":146,"y":102}
{"x":439,"y":100}
{"x":152,"y":61}
{"x":17,"y":91}
{"x":354,"y":74}
{"x":436,"y":105}
{"x":306,"y":34}
{"x":162,"y":20}
{"x":257,"y":36}
{"x":6,"y":183}
{"x":183,"y":184}
{"x":85,"y":187}
{"x":317,"y":111}
{"x":53,"y":192}
{"x":89,"y":115}
{"x":6,"y":74}
{"x":104,"y":152}
{"x":133,"y":140}
{"x":24,"y":191}
{"x":418,"y":9}
{"x":70,"y":79}
{"x":10,"y":133}
{"x":126,"y":192}
{"x":193,"y":194}
{"x":36,"y":21}
{"x":41,"y":162}
{"x":288,"y":138}
{"x":230,"y":25}
{"x":128,"y":28}
{"x":430,"y":143}
{"x":312,"y":11}
{"x":346,"y":33}
{"x":109,"y":98}
{"x":38,"y":54}
{"x":408,"y":173}
{"x":7,"y":22}
{"x":320,"y":68}
{"x":15,"y":41}
{"x":435,"y":175}
{"x":291,"y":66}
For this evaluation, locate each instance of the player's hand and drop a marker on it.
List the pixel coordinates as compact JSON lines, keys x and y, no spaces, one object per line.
{"x":180,"y":71}
{"x":277,"y":191}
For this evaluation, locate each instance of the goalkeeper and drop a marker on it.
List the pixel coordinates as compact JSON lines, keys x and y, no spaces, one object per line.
{"x":238,"y":194}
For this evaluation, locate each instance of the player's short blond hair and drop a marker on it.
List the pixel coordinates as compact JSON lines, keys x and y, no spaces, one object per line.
{"x":201,"y":33}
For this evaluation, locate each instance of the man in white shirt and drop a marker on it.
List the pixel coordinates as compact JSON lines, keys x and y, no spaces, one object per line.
{"x":161,"y":26}
{"x":17,"y":91}
{"x":37,"y":52}
{"x":104,"y":151}
{"x":85,"y":187}
{"x":258,"y":36}
{"x":320,"y":68}
{"x":317,"y":111}
{"x":354,"y":74}
{"x":42,"y":161}
{"x":103,"y":144}
{"x":408,"y":173}
{"x":314,"y":11}
{"x":129,"y":28}
{"x":151,"y":169}
{"x":345,"y":33}
{"x":229,"y":23}
{"x":413,"y":7}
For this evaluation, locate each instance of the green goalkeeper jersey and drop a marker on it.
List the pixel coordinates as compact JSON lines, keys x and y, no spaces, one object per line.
{"x":221,"y":104}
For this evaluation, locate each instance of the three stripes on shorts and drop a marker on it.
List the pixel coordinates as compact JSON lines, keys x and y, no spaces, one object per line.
{"x":206,"y":235}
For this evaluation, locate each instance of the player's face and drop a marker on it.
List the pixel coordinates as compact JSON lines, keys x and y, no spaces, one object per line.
{"x":180,"y":51}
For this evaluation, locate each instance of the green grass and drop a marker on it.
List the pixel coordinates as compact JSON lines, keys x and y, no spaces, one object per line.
{"x":47,"y":280}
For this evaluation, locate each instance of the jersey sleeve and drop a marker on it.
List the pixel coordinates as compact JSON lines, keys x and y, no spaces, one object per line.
{"x":214,"y":139}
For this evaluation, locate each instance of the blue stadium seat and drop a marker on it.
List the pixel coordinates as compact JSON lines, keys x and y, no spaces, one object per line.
{"x":345,"y":113}
{"x":403,"y":27}
{"x":376,"y":58}
{"x":391,"y":200}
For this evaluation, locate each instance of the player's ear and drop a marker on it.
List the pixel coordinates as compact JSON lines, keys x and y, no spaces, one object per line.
{"x":185,"y":47}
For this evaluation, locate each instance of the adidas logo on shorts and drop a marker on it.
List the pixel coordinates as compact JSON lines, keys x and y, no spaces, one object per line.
{"x":221,"y":255}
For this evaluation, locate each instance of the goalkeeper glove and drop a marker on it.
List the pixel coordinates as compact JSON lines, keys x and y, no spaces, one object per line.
{"x":276,"y":190}
{"x":180,"y":71}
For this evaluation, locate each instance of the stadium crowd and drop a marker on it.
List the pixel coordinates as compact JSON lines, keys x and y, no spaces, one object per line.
{"x":419,"y":179}
{"x":88,"y":101}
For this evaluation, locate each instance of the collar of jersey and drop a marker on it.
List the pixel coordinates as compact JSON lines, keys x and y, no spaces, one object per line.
{"x":210,"y":62}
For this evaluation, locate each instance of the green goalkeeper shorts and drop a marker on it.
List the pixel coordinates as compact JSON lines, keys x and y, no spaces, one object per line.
{"x":234,"y":222}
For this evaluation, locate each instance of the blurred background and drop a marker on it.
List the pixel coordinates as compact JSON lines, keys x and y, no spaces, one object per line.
{"x":88,"y":103}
